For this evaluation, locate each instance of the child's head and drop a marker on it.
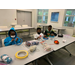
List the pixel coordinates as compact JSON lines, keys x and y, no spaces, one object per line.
{"x":38,"y":30}
{"x":49,"y":27}
{"x":12,"y":33}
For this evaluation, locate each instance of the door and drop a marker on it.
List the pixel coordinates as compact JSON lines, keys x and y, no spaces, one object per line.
{"x":28,"y":18}
{"x":24,"y":18}
{"x":19,"y":18}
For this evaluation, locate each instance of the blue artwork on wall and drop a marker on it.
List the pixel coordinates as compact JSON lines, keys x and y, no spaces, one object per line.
{"x":54,"y":16}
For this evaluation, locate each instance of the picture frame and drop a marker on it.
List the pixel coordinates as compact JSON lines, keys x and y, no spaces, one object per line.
{"x":54,"y":16}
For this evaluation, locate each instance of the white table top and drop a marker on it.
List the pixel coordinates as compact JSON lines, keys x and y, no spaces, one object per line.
{"x":11,"y":50}
{"x":60,"y":28}
{"x":61,"y":44}
{"x":43,"y":25}
{"x":19,"y":28}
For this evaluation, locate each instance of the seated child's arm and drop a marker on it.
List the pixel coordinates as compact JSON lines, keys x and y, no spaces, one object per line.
{"x":53,"y":33}
{"x":45,"y":36}
{"x":7,"y":42}
{"x":45,"y":32}
{"x":36,"y":37}
{"x":18,"y":40}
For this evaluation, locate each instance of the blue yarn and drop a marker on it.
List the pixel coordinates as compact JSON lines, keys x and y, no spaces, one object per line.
{"x":19,"y":43}
{"x":28,"y":43}
{"x":3,"y":55}
{"x":51,"y":36}
{"x":45,"y":38}
{"x":8,"y":60}
{"x":35,"y":43}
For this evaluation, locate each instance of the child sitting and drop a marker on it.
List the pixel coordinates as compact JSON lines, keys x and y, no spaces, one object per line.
{"x":12,"y":38}
{"x":38,"y":35}
{"x":49,"y":32}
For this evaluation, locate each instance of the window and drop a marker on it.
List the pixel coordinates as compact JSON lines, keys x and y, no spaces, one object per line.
{"x":70,"y":18}
{"x":42,"y":15}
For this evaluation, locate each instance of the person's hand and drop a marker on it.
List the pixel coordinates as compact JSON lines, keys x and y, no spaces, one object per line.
{"x":12,"y":40}
{"x":38,"y":37}
{"x":16,"y":39}
{"x":52,"y":34}
{"x":45,"y":36}
{"x":48,"y":33}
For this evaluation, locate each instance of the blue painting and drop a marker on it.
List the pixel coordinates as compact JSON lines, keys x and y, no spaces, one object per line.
{"x":54,"y":16}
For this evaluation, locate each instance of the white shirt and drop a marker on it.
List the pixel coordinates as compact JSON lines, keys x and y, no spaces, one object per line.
{"x":38,"y":35}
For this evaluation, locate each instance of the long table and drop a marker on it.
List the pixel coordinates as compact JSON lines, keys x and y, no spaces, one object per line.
{"x":11,"y":50}
{"x":18,"y":28}
{"x":58,"y":28}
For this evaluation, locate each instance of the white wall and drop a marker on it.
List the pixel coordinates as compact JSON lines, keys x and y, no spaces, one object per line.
{"x":25,"y":9}
{"x":7,"y":16}
{"x":69,"y":30}
{"x":60,"y":19}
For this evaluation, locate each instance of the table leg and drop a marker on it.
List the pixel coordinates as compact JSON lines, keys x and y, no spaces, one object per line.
{"x":43,"y":29}
{"x":29,"y":34}
{"x":0,"y":36}
{"x":6,"y":33}
{"x":58,"y":31}
{"x":48,"y":60}
{"x":67,"y":50}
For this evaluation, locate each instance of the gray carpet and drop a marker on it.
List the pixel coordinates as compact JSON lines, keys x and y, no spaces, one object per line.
{"x":60,"y":57}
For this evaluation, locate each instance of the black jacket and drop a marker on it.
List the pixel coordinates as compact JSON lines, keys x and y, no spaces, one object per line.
{"x":51,"y":32}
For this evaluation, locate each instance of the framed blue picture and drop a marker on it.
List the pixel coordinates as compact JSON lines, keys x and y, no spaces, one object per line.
{"x":54,"y":16}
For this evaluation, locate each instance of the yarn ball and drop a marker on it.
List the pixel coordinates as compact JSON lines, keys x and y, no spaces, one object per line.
{"x":7,"y":60}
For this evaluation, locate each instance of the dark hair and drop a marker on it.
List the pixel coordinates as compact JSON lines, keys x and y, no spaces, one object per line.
{"x":38,"y":28}
{"x":50,"y":26}
{"x":11,"y":31}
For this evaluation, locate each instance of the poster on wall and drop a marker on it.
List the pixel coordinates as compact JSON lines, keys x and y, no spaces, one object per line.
{"x":54,"y":16}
